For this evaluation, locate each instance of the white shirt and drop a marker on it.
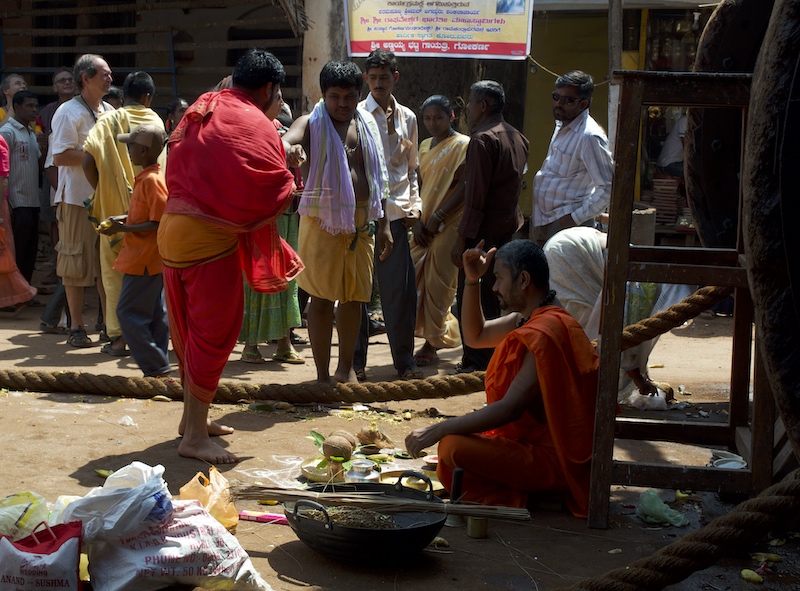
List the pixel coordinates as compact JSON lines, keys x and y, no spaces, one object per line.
{"x":400,"y":149}
{"x":71,"y":125}
{"x":673,"y":145}
{"x":575,"y":178}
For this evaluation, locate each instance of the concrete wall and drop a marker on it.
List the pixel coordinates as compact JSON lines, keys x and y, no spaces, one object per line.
{"x":561,"y":42}
{"x":324,"y":41}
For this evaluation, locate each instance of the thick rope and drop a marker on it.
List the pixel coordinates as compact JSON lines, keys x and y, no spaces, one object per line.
{"x":726,"y":535}
{"x":231,"y":392}
{"x":104,"y":385}
{"x":690,"y":307}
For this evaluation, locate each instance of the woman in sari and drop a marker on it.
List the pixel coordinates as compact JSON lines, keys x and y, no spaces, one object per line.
{"x":441,"y":166}
{"x":271,"y":316}
{"x":15,"y":292}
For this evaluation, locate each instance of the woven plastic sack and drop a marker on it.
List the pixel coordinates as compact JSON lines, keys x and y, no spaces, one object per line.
{"x":192,"y":548}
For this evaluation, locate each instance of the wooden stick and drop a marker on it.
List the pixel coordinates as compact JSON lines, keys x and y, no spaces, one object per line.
{"x":377,"y":501}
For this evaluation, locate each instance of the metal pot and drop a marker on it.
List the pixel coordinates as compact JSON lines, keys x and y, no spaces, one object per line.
{"x":414,"y":532}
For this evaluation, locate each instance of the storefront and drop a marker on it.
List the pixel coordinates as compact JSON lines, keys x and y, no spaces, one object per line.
{"x":574,"y":35}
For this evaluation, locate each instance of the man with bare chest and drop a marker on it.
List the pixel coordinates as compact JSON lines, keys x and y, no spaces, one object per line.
{"x":340,"y":154}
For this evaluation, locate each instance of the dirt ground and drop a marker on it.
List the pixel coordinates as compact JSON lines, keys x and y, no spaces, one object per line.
{"x":53,"y":444}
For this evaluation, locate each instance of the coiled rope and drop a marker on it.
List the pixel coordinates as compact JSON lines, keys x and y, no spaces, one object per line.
{"x":71,"y":382}
{"x":726,"y":535}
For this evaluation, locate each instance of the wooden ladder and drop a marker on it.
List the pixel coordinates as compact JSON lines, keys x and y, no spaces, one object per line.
{"x":697,"y":266}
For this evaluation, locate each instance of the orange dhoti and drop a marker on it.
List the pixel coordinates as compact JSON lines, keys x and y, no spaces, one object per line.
{"x":501,"y":467}
{"x":497,"y":470}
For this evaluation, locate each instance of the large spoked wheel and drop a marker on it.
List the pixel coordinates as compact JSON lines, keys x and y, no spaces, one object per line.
{"x":772,"y":206}
{"x":713,"y":143}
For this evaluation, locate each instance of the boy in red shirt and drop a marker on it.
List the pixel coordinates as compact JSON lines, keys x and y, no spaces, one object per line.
{"x":142,"y":310}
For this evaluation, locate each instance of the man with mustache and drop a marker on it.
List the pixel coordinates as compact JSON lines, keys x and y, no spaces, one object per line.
{"x":574,"y":184}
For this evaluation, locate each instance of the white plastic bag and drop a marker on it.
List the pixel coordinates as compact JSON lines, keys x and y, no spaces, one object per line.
{"x":657,"y":401}
{"x":20,"y":513}
{"x":192,"y":548}
{"x":131,"y":497}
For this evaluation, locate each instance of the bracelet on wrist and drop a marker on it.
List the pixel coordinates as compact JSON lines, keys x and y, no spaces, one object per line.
{"x":476,"y":282}
{"x":439,"y":215}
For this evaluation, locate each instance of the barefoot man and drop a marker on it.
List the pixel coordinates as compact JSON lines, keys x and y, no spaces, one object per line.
{"x":345,"y":187}
{"x":227,"y":182}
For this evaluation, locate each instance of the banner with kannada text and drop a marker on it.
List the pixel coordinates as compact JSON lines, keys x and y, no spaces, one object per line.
{"x":493,"y":29}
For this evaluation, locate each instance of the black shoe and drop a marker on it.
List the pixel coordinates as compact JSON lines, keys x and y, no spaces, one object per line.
{"x":376,"y":327}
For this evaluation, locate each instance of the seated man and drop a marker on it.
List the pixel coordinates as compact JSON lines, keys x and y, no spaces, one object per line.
{"x":536,"y":432}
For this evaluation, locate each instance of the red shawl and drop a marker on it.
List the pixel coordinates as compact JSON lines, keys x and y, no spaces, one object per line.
{"x":227,"y":167}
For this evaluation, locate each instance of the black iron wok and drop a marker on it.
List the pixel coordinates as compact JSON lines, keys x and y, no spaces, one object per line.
{"x":414,"y":532}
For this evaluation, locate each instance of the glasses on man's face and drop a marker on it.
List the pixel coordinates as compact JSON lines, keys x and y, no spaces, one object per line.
{"x":567,"y":100}
{"x":64,"y":81}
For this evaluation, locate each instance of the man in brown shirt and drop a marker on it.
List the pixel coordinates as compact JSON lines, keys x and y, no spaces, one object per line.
{"x":496,"y":159}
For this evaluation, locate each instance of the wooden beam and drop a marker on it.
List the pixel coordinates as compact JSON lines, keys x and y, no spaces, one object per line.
{"x":784,"y":460}
{"x":152,"y":48}
{"x":763,"y":427}
{"x":220,"y":71}
{"x":682,"y":255}
{"x":687,"y":274}
{"x":741,"y":357}
{"x":225,"y":70}
{"x":165,"y":28}
{"x":619,"y":237}
{"x":688,"y":477}
{"x":696,"y":89}
{"x":690,"y":432}
{"x":103,"y":8}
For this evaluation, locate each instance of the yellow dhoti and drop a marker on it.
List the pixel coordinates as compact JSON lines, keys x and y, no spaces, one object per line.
{"x":338,"y":266}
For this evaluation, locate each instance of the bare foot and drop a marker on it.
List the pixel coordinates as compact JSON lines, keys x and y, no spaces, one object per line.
{"x":325,"y":380}
{"x":214,"y":428}
{"x":346,"y":377}
{"x":206,"y":450}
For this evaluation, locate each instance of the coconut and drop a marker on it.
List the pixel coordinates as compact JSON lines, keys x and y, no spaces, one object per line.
{"x":374,"y":436}
{"x":347,"y":435}
{"x":337,"y":446}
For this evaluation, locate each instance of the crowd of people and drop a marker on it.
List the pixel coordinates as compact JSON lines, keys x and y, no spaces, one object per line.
{"x":309,"y":211}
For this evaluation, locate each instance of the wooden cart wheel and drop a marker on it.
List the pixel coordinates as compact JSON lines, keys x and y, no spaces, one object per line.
{"x":730,"y":43}
{"x":771,"y":209}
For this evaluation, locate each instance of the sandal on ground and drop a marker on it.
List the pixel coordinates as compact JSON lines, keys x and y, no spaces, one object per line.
{"x":49,"y":329}
{"x":411,"y":373}
{"x":297,"y":339}
{"x":361,"y":375}
{"x":288,"y":356}
{"x":461,"y":368}
{"x":423,"y":359}
{"x":109,"y":349}
{"x":79,"y":338}
{"x":252,"y":357}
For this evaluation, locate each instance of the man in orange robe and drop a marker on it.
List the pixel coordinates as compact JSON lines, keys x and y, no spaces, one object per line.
{"x":227,"y":182}
{"x":536,"y":432}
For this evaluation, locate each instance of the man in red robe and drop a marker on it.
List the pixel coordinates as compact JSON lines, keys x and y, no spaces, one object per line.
{"x":536,"y":432}
{"x":228,"y":182}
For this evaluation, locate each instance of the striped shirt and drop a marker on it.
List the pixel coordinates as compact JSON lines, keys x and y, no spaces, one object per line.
{"x":24,"y":153}
{"x":575,"y":178}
